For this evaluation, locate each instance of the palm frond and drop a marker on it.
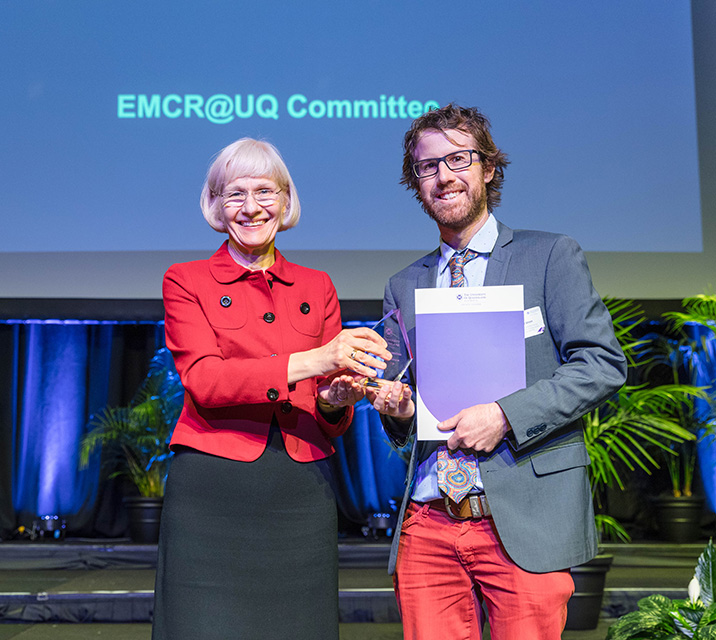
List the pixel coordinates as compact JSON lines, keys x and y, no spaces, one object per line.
{"x":134,"y":439}
{"x":623,"y":428}
{"x":610,"y":527}
{"x":699,"y":309}
{"x":626,"y":316}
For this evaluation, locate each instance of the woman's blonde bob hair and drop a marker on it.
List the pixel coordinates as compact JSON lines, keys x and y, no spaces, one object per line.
{"x":248,"y":158}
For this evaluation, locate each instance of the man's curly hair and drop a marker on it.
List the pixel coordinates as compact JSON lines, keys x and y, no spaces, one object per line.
{"x":468,"y":120}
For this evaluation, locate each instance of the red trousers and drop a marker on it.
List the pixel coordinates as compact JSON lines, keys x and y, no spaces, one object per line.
{"x":446,"y":569}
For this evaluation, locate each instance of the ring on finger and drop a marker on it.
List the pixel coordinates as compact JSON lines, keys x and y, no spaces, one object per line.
{"x":353,"y":354}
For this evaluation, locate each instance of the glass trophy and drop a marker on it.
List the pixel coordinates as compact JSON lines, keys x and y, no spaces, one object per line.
{"x":392,"y":329}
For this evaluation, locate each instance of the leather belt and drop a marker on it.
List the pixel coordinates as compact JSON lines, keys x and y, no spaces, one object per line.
{"x":469,"y":508}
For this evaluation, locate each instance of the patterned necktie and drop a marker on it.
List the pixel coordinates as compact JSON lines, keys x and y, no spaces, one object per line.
{"x":457,"y":471}
{"x":457,"y":266}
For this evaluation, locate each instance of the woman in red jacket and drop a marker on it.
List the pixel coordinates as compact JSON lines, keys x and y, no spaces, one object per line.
{"x":248,"y":536}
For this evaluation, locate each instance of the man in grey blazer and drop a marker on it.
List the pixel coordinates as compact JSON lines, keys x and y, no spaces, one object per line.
{"x":528,"y":515}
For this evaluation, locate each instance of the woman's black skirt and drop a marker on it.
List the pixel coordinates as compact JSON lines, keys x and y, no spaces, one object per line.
{"x":247,"y":549}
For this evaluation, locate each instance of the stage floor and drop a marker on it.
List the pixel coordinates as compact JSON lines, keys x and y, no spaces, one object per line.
{"x":143,"y":631}
{"x":107,"y":587}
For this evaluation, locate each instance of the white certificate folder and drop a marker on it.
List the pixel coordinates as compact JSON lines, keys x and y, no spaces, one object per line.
{"x":470,"y":349}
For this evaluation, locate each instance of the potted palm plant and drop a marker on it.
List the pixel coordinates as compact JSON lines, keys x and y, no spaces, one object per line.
{"x":134,"y":440}
{"x":688,"y":352}
{"x":622,"y":434}
{"x":620,"y":437}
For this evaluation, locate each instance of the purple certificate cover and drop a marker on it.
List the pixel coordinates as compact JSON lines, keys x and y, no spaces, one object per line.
{"x":469,"y":358}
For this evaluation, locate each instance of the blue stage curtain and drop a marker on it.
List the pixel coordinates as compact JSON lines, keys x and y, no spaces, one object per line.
{"x":703,"y":374}
{"x":370,"y":473}
{"x":65,"y":380}
{"x":54,"y":376}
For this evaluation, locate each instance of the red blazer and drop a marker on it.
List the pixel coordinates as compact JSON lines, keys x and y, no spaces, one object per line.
{"x":231,"y":331}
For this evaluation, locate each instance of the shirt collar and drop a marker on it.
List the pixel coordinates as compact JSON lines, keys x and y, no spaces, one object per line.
{"x":483,"y":242}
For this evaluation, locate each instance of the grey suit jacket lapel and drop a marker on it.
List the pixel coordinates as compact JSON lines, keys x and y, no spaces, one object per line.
{"x":428,"y":278}
{"x":500,"y":257}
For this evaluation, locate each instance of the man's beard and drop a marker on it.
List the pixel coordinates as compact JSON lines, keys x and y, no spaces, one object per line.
{"x":477,"y":206}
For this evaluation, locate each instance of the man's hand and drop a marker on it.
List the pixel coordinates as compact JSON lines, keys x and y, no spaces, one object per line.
{"x":393,"y":400}
{"x":480,"y":427}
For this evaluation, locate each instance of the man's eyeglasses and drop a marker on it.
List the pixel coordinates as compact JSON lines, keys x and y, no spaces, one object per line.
{"x":454,"y":161}
{"x":264,"y":197}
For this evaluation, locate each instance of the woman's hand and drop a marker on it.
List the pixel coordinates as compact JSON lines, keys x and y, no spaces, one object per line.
{"x":395,"y":400}
{"x":338,"y":392}
{"x":360,"y":350}
{"x":354,"y":349}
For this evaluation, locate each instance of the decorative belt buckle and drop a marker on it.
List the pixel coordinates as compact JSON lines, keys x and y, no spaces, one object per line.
{"x":448,"y":508}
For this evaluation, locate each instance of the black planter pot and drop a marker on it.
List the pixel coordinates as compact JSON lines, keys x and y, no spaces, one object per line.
{"x":144,"y":516}
{"x":679,"y":519}
{"x":585,"y":605}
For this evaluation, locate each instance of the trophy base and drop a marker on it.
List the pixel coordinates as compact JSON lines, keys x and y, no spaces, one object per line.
{"x":377,"y":384}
